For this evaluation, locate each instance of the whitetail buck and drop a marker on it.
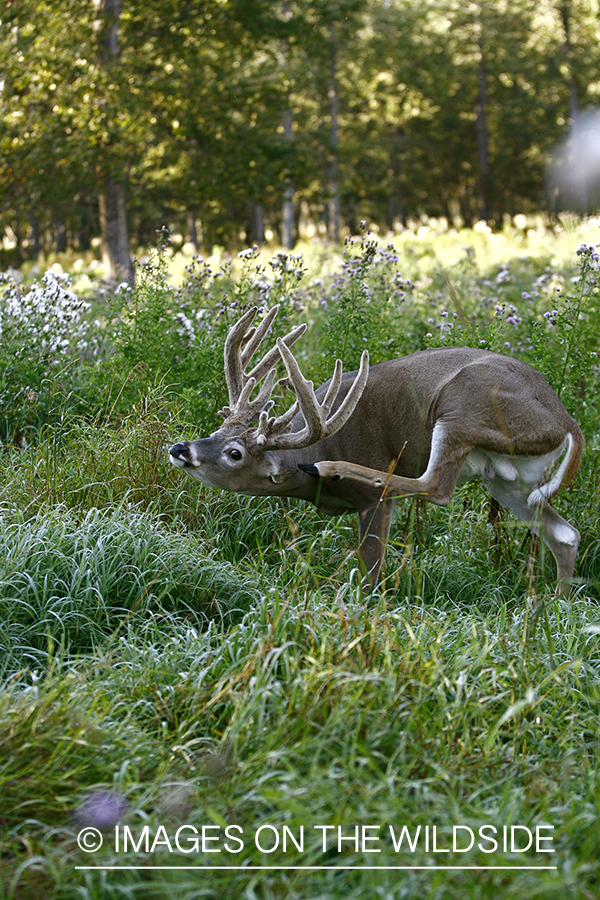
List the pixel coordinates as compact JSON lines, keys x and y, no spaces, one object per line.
{"x":416,"y":426}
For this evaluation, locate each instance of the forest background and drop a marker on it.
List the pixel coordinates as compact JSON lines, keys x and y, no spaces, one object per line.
{"x":237,"y":121}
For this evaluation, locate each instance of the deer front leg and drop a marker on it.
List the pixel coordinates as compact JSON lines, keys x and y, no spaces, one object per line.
{"x":373,"y":530}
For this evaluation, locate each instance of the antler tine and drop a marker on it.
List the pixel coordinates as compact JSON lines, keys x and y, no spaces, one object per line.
{"x":256,"y":335}
{"x":317,"y":425}
{"x":332,"y":390}
{"x":234,"y":368}
{"x":242,"y":342}
{"x":304,"y":391}
{"x":352,"y":397}
{"x":273,"y":356}
{"x":245,"y":410}
{"x":267,"y":427}
{"x":251,"y":409}
{"x":236,"y":358}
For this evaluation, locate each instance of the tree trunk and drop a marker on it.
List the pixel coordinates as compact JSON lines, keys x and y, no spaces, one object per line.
{"x":287,"y":225}
{"x":111,"y":200}
{"x":61,"y":237}
{"x":193,"y":230}
{"x":481,"y":126}
{"x":482,"y":145}
{"x":109,"y":13}
{"x":257,"y":225}
{"x":324,"y":180}
{"x":113,"y":228}
{"x":396,"y":210}
{"x":565,"y":15}
{"x":35,"y":235}
{"x":334,"y":171}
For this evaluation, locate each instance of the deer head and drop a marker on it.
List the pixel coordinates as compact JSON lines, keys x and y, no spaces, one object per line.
{"x":245,"y":453}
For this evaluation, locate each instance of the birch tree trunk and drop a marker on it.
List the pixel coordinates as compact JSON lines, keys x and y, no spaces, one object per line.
{"x":565,"y":15}
{"x":482,"y":145}
{"x":257,"y":224}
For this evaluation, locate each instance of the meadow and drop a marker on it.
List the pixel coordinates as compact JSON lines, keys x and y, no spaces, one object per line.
{"x":200,"y":676}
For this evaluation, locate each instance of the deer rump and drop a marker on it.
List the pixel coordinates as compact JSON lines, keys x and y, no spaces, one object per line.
{"x":415,"y":426}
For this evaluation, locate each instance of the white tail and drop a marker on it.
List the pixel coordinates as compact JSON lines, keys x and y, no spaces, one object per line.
{"x":415,"y":426}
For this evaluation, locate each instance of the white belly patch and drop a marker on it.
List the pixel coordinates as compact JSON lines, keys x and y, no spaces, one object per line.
{"x":525,"y":472}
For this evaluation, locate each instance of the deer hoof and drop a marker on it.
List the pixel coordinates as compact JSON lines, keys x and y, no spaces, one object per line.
{"x":309,"y":468}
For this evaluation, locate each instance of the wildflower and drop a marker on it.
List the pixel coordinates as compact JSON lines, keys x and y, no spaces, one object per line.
{"x":249,"y":252}
{"x":102,"y":810}
{"x":187,"y":329}
{"x":47,"y":309}
{"x":504,"y":275}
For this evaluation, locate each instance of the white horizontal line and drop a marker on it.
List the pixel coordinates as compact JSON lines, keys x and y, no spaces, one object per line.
{"x":316,"y":868}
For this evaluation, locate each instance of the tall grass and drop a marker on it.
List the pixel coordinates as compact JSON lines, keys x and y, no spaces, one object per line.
{"x":303,"y":716}
{"x":186,"y":657}
{"x":65,"y":584}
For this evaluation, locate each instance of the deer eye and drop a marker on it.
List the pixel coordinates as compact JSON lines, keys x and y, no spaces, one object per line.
{"x":234,"y":453}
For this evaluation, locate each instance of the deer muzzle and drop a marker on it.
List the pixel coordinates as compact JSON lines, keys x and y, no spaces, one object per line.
{"x":179,"y":455}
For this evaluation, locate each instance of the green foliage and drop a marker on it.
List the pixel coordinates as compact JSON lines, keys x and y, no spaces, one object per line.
{"x":364,"y":306}
{"x":546,"y":322}
{"x":43,"y":330}
{"x":442,"y":110}
{"x":210,"y":659}
{"x":67,"y":584}
{"x":395,"y":714}
{"x":160,"y":340}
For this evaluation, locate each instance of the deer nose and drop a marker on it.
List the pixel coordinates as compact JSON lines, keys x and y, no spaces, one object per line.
{"x":178,"y":454}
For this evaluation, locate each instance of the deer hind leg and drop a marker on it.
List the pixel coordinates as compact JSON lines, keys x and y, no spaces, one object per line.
{"x":436,"y":485}
{"x":559,"y":535}
{"x":563,"y":540}
{"x":373,"y":529}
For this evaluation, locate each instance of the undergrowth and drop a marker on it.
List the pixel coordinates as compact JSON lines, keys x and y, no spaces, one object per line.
{"x":178,"y":658}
